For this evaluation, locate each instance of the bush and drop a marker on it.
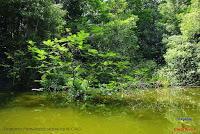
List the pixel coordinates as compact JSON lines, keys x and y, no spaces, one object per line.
{"x":183,"y":60}
{"x":71,"y":64}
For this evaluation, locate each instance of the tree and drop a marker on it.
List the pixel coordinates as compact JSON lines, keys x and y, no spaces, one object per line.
{"x":22,"y":20}
{"x":148,"y":32}
{"x":190,"y":26}
{"x":183,"y":51}
{"x":71,"y":64}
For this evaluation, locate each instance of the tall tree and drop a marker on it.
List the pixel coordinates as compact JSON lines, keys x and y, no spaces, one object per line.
{"x":149,"y":32}
{"x":22,"y":20}
{"x":183,"y":53}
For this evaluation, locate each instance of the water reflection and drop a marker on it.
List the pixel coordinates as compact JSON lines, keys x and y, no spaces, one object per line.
{"x":143,"y":112}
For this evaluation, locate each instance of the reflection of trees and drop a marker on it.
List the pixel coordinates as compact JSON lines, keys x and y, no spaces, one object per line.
{"x":176,"y":108}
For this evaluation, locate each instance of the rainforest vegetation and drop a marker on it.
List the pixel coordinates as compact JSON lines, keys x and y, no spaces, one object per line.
{"x":84,"y":47}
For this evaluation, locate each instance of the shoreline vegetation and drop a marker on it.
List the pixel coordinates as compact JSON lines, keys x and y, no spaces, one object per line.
{"x":156,"y":99}
{"x":62,"y":61}
{"x":99,"y":48}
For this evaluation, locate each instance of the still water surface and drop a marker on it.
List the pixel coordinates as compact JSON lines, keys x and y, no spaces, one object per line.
{"x":27,"y":114}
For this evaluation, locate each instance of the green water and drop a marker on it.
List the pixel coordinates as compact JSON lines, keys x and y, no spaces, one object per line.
{"x":154,"y":112}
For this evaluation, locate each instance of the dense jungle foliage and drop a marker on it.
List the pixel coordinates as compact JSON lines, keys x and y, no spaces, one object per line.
{"x":82,"y":46}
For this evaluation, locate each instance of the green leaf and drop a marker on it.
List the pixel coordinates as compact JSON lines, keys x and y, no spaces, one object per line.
{"x":93,"y":51}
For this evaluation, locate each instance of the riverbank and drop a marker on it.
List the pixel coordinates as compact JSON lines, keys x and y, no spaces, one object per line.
{"x":139,"y":98}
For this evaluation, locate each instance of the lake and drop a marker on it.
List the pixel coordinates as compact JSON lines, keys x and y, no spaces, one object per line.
{"x":161,"y":111}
